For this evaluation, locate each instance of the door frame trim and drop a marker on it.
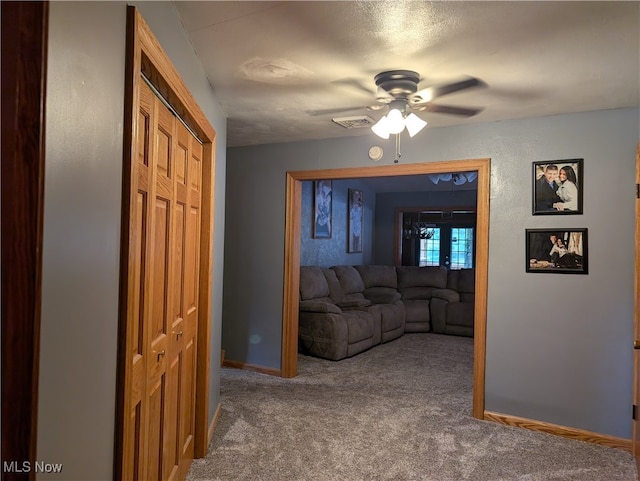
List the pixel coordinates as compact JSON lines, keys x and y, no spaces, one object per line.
{"x":289,"y":361}
{"x":144,"y":54}
{"x":635,"y":425}
{"x":24,"y":80}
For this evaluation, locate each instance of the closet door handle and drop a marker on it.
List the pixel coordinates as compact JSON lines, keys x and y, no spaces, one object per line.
{"x":636,"y":344}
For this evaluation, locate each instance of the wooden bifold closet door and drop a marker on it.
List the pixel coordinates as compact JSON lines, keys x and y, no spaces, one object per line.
{"x":164,"y":275}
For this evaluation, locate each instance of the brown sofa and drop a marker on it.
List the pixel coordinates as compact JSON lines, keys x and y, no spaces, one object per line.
{"x":345,"y":310}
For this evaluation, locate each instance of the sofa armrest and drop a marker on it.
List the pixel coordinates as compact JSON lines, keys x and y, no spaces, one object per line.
{"x":354,"y":304}
{"x":448,"y":295}
{"x":313,"y":305}
{"x":382,"y":295}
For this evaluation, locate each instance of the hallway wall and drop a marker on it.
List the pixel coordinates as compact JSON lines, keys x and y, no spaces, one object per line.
{"x":558,"y":346}
{"x":82,"y":210}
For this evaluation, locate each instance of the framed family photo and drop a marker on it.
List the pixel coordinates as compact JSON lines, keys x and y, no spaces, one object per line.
{"x":355,"y":215}
{"x":558,"y":187}
{"x":562,"y":251}
{"x":322,"y":208}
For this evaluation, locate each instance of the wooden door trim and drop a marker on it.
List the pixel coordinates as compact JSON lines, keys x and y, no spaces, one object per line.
{"x":294,"y":180}
{"x":635,"y":437}
{"x":145,"y":55}
{"x":24,"y":75}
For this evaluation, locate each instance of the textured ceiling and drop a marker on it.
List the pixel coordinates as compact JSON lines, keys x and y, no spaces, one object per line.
{"x":275,"y":65}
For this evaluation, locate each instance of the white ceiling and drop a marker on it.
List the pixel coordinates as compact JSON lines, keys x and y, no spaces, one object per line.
{"x":274,"y":65}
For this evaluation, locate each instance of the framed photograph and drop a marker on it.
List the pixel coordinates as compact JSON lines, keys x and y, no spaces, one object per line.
{"x":322,"y":207}
{"x":561,"y":251}
{"x":557,"y":187}
{"x":354,"y":242}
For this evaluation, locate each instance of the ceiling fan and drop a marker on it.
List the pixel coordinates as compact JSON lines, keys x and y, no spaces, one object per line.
{"x":399,"y":90}
{"x":403,"y":85}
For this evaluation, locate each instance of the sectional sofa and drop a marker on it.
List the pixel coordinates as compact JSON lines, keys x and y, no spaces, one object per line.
{"x":345,"y":310}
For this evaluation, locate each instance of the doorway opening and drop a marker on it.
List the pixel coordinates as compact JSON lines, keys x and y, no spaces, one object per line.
{"x":289,"y":361}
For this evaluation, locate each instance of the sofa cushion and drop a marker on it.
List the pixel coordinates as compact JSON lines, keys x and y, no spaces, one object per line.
{"x":448,"y":295}
{"x":467,"y":281}
{"x":313,"y":284}
{"x":467,"y":297}
{"x":382,"y":295}
{"x":349,"y":278}
{"x":410,"y":293}
{"x":460,"y":314}
{"x":378,"y":276}
{"x":335,"y":289}
{"x":462,"y":280}
{"x":322,"y":305}
{"x":427,"y":276}
{"x":360,"y":325}
{"x":354,"y":303}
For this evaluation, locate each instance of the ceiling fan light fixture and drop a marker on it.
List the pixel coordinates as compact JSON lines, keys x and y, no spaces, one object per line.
{"x":459,"y":179}
{"x":395,"y":121}
{"x":381,"y":128}
{"x":435,"y":178}
{"x":414,"y":124}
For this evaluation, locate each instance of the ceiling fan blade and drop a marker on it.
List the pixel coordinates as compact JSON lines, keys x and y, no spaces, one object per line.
{"x":383,"y":96}
{"x":448,"y":109}
{"x":355,"y":83}
{"x":435,"y":91}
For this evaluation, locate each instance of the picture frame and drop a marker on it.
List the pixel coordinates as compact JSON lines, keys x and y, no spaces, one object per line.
{"x":558,"y":251}
{"x":322,"y":208}
{"x":355,"y":220}
{"x":557,"y":187}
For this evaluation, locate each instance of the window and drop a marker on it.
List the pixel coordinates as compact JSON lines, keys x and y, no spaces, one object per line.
{"x":430,"y":250}
{"x":450,"y":246}
{"x":461,"y":248}
{"x":438,"y":238}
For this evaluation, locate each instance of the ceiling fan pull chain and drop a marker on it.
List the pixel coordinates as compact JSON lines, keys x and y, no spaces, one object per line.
{"x":398,"y":153}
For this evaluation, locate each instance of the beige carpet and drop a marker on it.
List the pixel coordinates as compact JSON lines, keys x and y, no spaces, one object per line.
{"x":400,"y":411}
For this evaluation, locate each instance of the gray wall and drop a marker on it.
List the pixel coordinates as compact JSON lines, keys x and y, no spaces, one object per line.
{"x":388,"y":203}
{"x":83,"y":189}
{"x":558,"y":346}
{"x":331,"y":252}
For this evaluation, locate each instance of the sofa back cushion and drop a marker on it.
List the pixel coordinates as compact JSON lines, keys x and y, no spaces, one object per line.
{"x":336,"y":292}
{"x":349,"y":278}
{"x":381,"y":283}
{"x":337,"y":295}
{"x":313,"y":284}
{"x":462,"y":281}
{"x":428,"y":276}
{"x":378,"y":276}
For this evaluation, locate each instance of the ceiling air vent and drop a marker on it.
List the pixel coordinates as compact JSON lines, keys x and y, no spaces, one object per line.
{"x":354,"y":122}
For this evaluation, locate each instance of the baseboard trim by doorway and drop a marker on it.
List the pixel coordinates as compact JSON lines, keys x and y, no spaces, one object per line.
{"x":564,"y":431}
{"x":214,"y":422}
{"x":252,"y":367}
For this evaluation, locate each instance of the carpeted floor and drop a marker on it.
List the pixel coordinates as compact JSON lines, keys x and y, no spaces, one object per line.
{"x":400,"y":411}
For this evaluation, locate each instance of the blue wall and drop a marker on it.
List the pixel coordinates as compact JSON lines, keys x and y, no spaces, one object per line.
{"x":558,"y":347}
{"x":333,"y":251}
